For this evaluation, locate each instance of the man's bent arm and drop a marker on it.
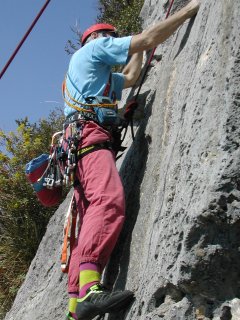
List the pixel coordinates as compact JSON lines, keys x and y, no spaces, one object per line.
{"x":132,"y":70}
{"x":162,"y":30}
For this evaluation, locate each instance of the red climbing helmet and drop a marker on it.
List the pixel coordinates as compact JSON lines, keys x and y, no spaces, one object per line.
{"x":97,"y":27}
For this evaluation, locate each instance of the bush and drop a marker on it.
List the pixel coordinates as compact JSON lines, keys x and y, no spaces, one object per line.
{"x":124,"y":15}
{"x":23,"y":220}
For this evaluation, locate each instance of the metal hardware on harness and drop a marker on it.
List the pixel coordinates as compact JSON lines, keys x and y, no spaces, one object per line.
{"x":52,"y":176}
{"x":79,"y":115}
{"x":49,"y":181}
{"x":58,"y":181}
{"x":74,"y":136}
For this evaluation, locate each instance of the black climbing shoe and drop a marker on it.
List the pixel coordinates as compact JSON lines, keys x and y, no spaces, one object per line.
{"x":69,"y":316}
{"x":99,"y":300}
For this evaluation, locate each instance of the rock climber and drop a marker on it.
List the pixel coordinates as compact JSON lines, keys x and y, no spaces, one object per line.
{"x":99,"y":192}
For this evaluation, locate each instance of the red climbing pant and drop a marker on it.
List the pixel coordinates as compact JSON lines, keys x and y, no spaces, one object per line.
{"x":101,"y":205}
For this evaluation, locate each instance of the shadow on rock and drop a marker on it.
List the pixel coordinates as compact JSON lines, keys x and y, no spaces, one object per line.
{"x":132,"y":173}
{"x":185,"y":37}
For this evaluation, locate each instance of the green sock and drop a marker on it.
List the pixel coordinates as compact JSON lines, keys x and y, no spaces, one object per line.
{"x":89,"y":275}
{"x":72,"y":304}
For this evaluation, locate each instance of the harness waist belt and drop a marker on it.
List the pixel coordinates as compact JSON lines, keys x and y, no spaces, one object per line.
{"x":80,"y":115}
{"x":94,"y":147}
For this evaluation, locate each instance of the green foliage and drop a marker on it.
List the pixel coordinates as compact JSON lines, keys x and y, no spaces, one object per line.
{"x":73,"y":45}
{"x":23,"y":220}
{"x":123,"y":14}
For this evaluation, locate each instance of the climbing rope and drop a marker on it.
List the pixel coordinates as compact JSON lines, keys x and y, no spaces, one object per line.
{"x":152,"y":54}
{"x":24,"y":38}
{"x":133,"y":104}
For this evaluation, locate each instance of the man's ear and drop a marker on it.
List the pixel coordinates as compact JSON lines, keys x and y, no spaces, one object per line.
{"x":94,"y":35}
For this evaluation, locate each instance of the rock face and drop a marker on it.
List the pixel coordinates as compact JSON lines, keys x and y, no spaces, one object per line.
{"x":179,"y":249}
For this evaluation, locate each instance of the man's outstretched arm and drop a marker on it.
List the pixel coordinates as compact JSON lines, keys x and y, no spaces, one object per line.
{"x":162,"y":30}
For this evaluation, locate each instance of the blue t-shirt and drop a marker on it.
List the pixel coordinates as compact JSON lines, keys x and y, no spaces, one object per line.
{"x":90,"y":68}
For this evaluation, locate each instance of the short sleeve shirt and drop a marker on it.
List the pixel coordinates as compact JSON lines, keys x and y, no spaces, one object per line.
{"x":90,"y":68}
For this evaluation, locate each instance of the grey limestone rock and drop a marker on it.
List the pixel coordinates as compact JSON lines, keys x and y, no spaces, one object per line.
{"x":179,"y":249}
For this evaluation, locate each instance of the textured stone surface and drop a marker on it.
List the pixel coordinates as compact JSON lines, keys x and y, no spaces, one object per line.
{"x":179,"y":250}
{"x":43,"y":294}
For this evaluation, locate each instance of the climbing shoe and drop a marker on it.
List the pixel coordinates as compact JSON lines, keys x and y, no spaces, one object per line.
{"x":69,"y":316}
{"x":99,"y":300}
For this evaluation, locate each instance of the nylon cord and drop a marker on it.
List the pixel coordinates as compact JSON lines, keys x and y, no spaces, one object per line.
{"x":23,"y":39}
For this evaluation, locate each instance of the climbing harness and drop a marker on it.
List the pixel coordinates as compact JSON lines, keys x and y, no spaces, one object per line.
{"x":48,"y":174}
{"x":133,"y":104}
{"x":98,"y":146}
{"x":100,"y":108}
{"x":24,"y":38}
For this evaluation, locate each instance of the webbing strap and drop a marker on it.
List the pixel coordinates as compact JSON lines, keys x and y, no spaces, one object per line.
{"x":84,"y":105}
{"x":108,"y":86}
{"x":69,"y":235}
{"x":94,"y":147}
{"x":104,"y":105}
{"x":64,"y":255}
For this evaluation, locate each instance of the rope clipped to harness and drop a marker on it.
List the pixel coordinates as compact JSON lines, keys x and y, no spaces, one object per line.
{"x":132,"y":105}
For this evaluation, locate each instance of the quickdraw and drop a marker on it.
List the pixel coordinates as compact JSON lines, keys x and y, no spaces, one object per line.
{"x":64,"y":155}
{"x":52,"y":174}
